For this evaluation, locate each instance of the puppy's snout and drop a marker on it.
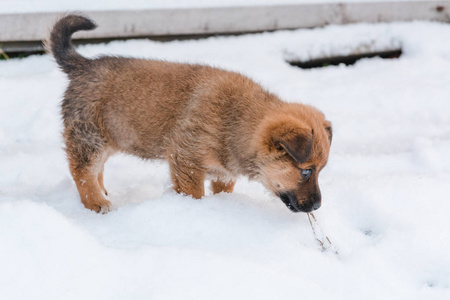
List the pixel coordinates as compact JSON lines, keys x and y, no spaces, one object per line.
{"x":313,"y":202}
{"x":316,"y":205}
{"x":290,"y":200}
{"x":316,"y":199}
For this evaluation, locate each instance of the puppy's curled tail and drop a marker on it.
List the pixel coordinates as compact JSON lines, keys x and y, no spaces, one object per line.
{"x":59,"y":42}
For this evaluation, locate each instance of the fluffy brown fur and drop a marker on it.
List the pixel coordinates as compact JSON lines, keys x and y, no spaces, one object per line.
{"x":206,"y":122}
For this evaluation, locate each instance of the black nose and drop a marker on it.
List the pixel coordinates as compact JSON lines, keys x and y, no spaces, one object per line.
{"x":316,"y":205}
{"x":290,"y":199}
{"x":316,"y":200}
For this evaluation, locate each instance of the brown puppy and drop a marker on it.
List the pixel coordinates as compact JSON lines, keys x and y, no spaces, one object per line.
{"x":207,"y":122}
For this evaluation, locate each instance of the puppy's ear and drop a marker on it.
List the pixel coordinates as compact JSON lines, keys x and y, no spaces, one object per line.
{"x":298,"y":144}
{"x":329,"y":130}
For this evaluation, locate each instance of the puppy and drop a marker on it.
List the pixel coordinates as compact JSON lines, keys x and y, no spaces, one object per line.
{"x":206,"y":122}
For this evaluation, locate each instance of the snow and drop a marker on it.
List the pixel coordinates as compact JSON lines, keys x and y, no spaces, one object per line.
{"x":385,"y":190}
{"x":23,"y":6}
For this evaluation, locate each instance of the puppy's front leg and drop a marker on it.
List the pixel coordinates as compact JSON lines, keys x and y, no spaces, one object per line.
{"x":187,"y":179}
{"x":219,"y":186}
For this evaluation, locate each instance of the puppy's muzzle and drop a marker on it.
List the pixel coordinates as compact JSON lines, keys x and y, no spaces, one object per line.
{"x":290,"y":199}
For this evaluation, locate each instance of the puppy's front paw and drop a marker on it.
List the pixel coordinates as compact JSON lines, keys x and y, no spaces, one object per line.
{"x":101,"y":206}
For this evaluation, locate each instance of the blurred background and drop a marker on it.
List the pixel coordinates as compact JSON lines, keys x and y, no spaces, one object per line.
{"x":25,"y":23}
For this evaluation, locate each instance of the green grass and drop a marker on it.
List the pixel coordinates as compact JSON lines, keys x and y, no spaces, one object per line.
{"x":3,"y":55}
{"x":12,"y":55}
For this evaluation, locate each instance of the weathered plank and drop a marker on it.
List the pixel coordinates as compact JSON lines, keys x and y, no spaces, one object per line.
{"x":225,"y":20}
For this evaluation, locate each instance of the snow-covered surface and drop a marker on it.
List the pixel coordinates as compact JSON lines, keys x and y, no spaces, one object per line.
{"x":21,"y":6}
{"x":357,"y":41}
{"x":386,"y":189}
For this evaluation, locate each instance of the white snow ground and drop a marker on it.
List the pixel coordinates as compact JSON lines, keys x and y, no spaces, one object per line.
{"x":386,"y":189}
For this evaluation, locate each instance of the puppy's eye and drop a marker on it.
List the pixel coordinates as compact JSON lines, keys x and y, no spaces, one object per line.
{"x":306,"y":173}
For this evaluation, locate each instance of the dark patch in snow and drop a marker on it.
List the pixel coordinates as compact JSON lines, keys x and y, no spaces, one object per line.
{"x":429,"y":284}
{"x":368,"y":232}
{"x":347,"y":60}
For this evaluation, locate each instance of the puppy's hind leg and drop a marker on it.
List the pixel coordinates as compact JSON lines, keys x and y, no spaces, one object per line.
{"x":100,"y":180}
{"x":218,"y":186}
{"x":86,"y":159}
